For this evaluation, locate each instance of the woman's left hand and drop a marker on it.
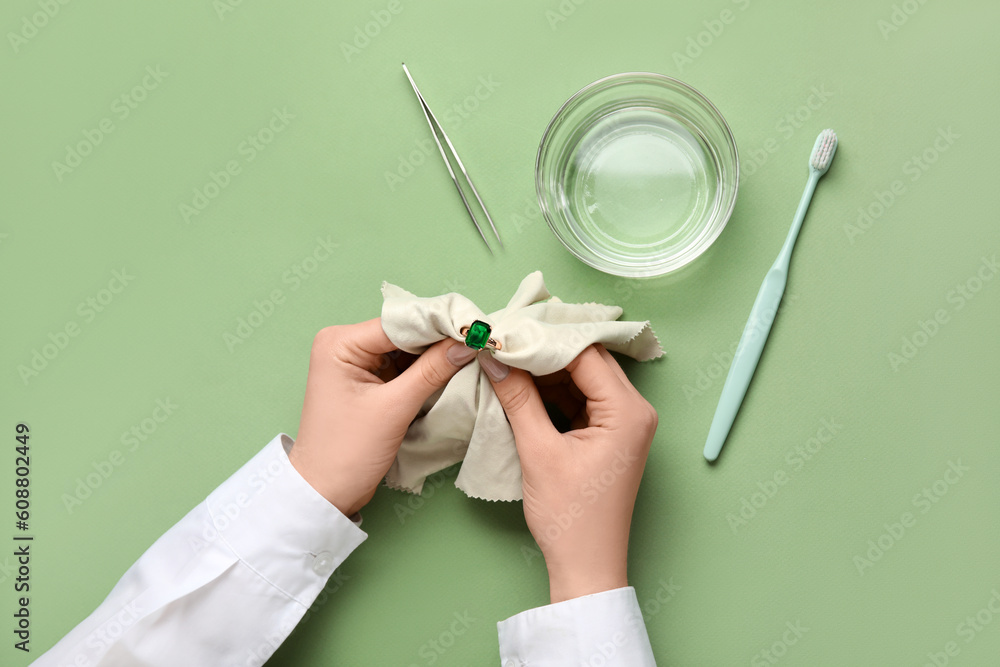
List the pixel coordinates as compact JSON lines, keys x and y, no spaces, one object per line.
{"x":362,"y":393}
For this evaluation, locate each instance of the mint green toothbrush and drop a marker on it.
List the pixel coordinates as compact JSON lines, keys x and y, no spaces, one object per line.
{"x":764,"y":308}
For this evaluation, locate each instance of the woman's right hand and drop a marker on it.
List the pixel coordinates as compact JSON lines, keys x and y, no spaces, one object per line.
{"x":579,"y":486}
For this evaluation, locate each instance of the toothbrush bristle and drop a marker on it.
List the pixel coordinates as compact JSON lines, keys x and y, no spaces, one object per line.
{"x":826,"y":145}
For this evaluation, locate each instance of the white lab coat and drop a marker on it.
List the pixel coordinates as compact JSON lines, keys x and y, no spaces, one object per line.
{"x":228,"y":583}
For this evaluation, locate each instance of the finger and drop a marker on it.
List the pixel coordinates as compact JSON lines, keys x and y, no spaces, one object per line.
{"x":430,"y":372}
{"x":366,"y":345}
{"x":592,"y":375}
{"x":616,"y":367}
{"x":565,"y":380}
{"x":525,"y":411}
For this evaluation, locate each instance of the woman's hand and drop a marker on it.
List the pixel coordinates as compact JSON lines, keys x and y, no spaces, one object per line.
{"x":361,"y":395}
{"x":579,"y":486}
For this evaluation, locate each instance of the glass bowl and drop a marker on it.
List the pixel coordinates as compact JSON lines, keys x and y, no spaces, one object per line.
{"x":637,"y":174}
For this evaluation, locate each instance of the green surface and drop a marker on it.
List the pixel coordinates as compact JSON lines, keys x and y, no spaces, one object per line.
{"x":307,"y":226}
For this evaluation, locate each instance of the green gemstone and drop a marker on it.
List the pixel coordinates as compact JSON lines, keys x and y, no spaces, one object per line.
{"x":478,"y":335}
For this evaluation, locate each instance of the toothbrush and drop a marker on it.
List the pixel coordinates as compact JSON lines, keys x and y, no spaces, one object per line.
{"x":765,"y":307}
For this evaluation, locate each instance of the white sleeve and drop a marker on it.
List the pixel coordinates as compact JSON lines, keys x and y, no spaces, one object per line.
{"x":601,"y":629}
{"x":226,"y":584}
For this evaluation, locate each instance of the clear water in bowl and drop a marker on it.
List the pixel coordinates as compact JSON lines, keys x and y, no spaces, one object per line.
{"x":639,"y":184}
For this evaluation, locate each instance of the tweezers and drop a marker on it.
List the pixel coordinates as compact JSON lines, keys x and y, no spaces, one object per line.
{"x":436,"y":129}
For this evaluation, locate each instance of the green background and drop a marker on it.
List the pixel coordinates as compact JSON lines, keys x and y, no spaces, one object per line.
{"x":853,"y":296}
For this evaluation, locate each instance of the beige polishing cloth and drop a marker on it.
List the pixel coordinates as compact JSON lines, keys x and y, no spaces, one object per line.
{"x":465,"y":421}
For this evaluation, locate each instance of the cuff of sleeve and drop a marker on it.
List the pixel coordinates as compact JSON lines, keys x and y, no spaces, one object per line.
{"x":280,"y":526}
{"x":604,"y":628}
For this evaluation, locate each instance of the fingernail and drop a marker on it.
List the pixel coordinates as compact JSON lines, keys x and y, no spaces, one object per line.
{"x":495,"y":369}
{"x":460,"y":354}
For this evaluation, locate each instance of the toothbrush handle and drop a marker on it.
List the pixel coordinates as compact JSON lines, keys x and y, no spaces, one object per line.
{"x":745,"y":360}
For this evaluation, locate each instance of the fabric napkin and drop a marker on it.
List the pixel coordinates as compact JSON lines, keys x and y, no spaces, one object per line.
{"x":465,"y":421}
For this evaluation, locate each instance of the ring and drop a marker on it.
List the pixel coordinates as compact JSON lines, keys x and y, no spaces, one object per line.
{"x":477,"y":336}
